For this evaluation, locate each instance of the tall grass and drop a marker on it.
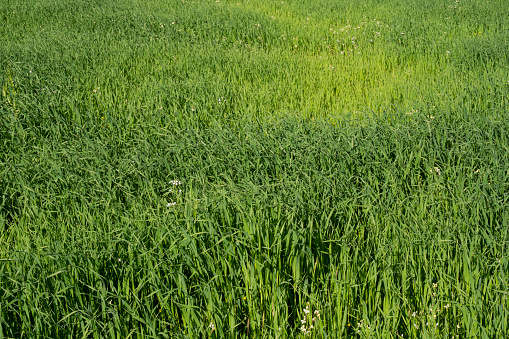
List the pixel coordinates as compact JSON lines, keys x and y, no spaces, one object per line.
{"x":254,"y":169}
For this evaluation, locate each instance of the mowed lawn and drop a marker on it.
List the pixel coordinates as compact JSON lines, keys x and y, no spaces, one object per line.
{"x":254,"y":169}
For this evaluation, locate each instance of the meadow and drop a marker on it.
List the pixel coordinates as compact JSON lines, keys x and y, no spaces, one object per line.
{"x":254,"y":169}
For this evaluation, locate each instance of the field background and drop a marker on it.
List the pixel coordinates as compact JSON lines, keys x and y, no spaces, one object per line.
{"x":173,"y":169}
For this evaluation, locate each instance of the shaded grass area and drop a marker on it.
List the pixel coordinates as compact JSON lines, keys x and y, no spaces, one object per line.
{"x":180,"y":169}
{"x":354,"y":219}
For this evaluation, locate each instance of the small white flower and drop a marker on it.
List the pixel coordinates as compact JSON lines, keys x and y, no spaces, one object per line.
{"x":437,"y":171}
{"x":171,"y":204}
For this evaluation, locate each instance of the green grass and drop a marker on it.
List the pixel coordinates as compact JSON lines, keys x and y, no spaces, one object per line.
{"x":365,"y":178}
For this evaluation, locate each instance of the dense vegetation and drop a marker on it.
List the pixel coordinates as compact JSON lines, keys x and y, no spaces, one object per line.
{"x":272,"y":169}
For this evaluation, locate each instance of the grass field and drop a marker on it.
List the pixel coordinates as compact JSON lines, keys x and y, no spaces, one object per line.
{"x":262,"y":169}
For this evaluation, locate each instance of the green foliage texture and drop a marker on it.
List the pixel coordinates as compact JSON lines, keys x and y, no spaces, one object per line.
{"x":262,"y":169}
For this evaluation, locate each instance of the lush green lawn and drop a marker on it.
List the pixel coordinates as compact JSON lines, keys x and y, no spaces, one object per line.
{"x":221,"y":169}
